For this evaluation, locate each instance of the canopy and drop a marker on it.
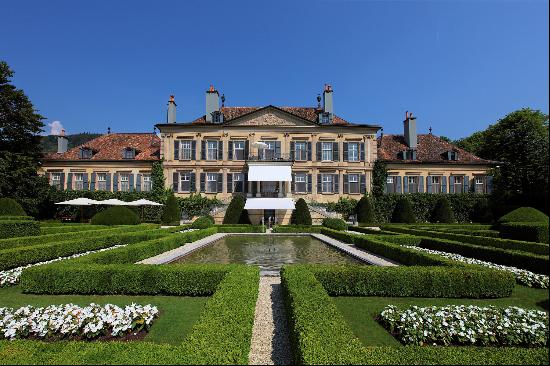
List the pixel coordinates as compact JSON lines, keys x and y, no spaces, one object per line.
{"x":78,"y":202}
{"x":112,"y":201}
{"x":143,"y":202}
{"x":270,"y":173}
{"x":269,"y":204}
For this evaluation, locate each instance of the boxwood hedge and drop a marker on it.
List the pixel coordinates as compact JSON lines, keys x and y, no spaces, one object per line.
{"x":17,"y":228}
{"x":528,"y":231}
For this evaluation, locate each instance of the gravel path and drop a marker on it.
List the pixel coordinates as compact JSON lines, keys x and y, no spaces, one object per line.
{"x":270,"y":340}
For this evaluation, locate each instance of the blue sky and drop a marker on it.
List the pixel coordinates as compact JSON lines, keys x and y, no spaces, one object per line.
{"x":458,"y":65}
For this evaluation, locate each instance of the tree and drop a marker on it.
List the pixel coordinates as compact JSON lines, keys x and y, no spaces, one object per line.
{"x":158,"y":181}
{"x":379,"y":178}
{"x":442,"y":212}
{"x":403,"y":213}
{"x":365,"y":211}
{"x":171,"y":213}
{"x":234,"y":210}
{"x":472,"y":143}
{"x":301,"y":215}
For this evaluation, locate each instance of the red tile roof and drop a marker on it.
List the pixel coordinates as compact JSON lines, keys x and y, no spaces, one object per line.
{"x":430,"y":149}
{"x":309,"y":113}
{"x":111,"y":147}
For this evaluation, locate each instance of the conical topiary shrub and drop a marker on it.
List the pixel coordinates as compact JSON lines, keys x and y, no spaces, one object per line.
{"x":442,"y":212}
{"x":171,"y":213}
{"x":301,"y":215}
{"x":482,"y":212}
{"x":234,"y":210}
{"x":403,"y":212}
{"x":245,"y":219}
{"x":364,"y":211}
{"x":10,"y":207}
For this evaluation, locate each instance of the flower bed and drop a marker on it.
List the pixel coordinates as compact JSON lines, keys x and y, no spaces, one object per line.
{"x":523,"y":276}
{"x":72,"y":321}
{"x":467,"y":325}
{"x":11,"y":277}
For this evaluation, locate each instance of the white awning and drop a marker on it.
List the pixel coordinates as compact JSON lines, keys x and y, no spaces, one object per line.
{"x":270,"y":173}
{"x":269,"y":204}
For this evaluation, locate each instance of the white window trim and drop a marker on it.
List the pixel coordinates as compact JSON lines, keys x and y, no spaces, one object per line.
{"x":210,"y":150}
{"x":328,"y":151}
{"x":299,"y":152}
{"x":356,"y":157}
{"x":185,"y":148}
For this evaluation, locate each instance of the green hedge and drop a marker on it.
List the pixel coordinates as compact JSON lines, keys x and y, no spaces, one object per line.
{"x":16,"y":218}
{"x":536,"y":231}
{"x":524,"y":246}
{"x":524,"y":214}
{"x":116,"y":215}
{"x":13,"y":228}
{"x":297,"y":229}
{"x":202,"y":222}
{"x":336,"y":224}
{"x":10,"y":207}
{"x":366,"y":230}
{"x":69,"y":229}
{"x":240,"y":228}
{"x":415,"y":281}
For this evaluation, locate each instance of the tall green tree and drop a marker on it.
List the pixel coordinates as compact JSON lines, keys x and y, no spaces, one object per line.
{"x":158,"y":181}
{"x":379,"y":178}
{"x":472,"y":143}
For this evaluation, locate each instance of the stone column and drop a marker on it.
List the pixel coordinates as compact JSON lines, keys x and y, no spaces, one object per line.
{"x":280,"y":194}
{"x":258,"y":193}
{"x":288,"y":190}
{"x":249,"y":193}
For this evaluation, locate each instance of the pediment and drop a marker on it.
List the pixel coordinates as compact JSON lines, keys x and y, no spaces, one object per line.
{"x":270,"y":116}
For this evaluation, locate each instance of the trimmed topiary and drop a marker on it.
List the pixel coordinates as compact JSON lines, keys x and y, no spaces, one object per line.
{"x":116,"y":215}
{"x":364,"y":211}
{"x":10,"y":207}
{"x":442,"y":212}
{"x":171,"y":212}
{"x":245,"y":219}
{"x":301,"y":215}
{"x":482,"y":213}
{"x":335,"y":224}
{"x":203,"y":222}
{"x":524,"y":214}
{"x":403,"y":213}
{"x":234,"y":210}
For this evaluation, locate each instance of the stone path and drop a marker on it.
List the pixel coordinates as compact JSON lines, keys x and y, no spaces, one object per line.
{"x":270,"y":334}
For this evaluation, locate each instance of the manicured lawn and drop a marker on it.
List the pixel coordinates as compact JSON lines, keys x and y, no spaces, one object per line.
{"x":360,"y":311}
{"x":178,"y":314}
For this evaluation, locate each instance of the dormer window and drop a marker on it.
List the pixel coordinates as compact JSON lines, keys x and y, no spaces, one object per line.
{"x":325,"y":118}
{"x":452,"y":155}
{"x":408,"y":154}
{"x":129,"y":153}
{"x":85,"y":153}
{"x":217,"y":117}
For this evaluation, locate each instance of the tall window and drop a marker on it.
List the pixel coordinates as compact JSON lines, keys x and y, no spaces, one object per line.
{"x":327,"y":151}
{"x":78,"y":184}
{"x":436,"y":183}
{"x":300,"y":151}
{"x":211,"y":182}
{"x":391,"y":184}
{"x":412,"y":184}
{"x":268,"y":152}
{"x":353,"y":180}
{"x":458,"y":185}
{"x":185,"y":150}
{"x":238,"y":182}
{"x":479,"y":184}
{"x":300,"y":182}
{"x":238,"y":150}
{"x":101,"y":184}
{"x":212,"y":150}
{"x":353,"y":151}
{"x":125,"y":182}
{"x":146,"y":183}
{"x":327,"y":183}
{"x":55,"y":180}
{"x":185,"y":181}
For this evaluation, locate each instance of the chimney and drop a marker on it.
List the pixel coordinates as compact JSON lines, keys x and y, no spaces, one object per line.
{"x":212,"y":103}
{"x":62,"y":143}
{"x":171,"y":114}
{"x":327,"y":99}
{"x":410,"y":130}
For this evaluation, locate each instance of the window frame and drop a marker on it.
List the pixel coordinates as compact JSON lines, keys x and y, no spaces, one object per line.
{"x":235,"y":149}
{"x":327,"y":182}
{"x":125,"y":181}
{"x":146,"y":183}
{"x":357,"y":183}
{"x":100,"y":183}
{"x":297,"y":182}
{"x":272,"y":148}
{"x":235,"y":182}
{"x":78,"y":184}
{"x":327,"y":151}
{"x":181,"y":183}
{"x":185,"y":150}
{"x":357,"y":153}
{"x":412,"y":181}
{"x":211,"y":150}
{"x":300,"y":154}
{"x":56,"y":185}
{"x":211,"y":181}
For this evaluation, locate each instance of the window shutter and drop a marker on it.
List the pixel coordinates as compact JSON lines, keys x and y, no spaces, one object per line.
{"x":451,"y":184}
{"x":405,"y":185}
{"x":414,"y":155}
{"x":429,"y":184}
{"x":346,"y":151}
{"x":92,"y":182}
{"x":292,"y":187}
{"x":138,"y":182}
{"x":219,"y":180}
{"x":85,"y":181}
{"x":292,"y":150}
{"x":193,"y":183}
{"x":108,"y":182}
{"x":175,"y":181}
{"x":443,"y":184}
{"x":335,"y":152}
{"x":489,"y":184}
{"x":220,"y":150}
{"x":115,"y":182}
{"x":465,"y":182}
{"x":277,"y":149}
{"x":62,"y":180}
{"x":203,"y":150}
{"x":420,"y":184}
{"x":346,"y":181}
{"x":398,"y":187}
{"x":229,"y":182}
{"x":319,"y":152}
{"x":309,"y":151}
{"x":319,"y":184}
{"x":229,"y":151}
{"x":69,"y":181}
{"x":245,"y":182}
{"x":363,"y":183}
{"x":336,"y":183}
{"x":131,"y":181}
{"x":202,"y":182}
{"x":177,"y":150}
{"x":246,"y":149}
{"x":193,"y":150}
{"x":309,"y":181}
{"x":449,"y":155}
{"x":362,"y":147}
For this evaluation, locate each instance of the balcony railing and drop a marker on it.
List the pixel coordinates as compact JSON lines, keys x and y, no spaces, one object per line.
{"x":268,"y":156}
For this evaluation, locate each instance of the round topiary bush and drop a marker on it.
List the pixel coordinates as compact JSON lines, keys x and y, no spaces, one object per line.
{"x":482,"y":213}
{"x":301,"y":215}
{"x":442,"y":212}
{"x":403,"y":213}
{"x":171,"y":212}
{"x":202,"y":222}
{"x":10,"y":207}
{"x":524,"y":214}
{"x":364,"y":211}
{"x":116,"y":215}
{"x":336,"y":224}
{"x":234,"y":210}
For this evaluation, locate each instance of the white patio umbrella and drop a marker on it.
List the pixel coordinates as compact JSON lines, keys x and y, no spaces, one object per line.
{"x":259,"y":145}
{"x":79,"y":202}
{"x":112,"y":202}
{"x":144,"y":202}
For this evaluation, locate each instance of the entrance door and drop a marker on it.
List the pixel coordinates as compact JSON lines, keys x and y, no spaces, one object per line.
{"x":269,"y":217}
